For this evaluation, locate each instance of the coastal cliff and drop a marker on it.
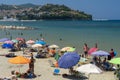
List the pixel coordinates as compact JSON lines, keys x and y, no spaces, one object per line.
{"x":44,"y":12}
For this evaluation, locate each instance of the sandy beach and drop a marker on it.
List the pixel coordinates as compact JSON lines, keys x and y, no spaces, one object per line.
{"x":43,"y":70}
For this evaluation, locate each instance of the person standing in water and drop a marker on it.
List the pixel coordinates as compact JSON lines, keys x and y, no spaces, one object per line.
{"x":85,"y":48}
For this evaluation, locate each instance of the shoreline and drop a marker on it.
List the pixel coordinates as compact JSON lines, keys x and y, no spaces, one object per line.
{"x":16,"y":27}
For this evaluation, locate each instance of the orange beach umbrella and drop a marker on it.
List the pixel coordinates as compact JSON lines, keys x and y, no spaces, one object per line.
{"x":19,"y":60}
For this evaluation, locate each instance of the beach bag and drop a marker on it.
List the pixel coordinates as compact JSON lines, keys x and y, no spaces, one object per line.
{"x":11,"y":55}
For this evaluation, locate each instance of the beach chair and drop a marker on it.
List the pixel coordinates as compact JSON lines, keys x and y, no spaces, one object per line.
{"x":56,"y":71}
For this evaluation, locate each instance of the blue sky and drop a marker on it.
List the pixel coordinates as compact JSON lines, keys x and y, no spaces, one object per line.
{"x":100,"y":9}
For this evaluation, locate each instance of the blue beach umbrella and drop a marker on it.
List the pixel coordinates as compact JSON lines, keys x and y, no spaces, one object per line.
{"x":115,"y":53}
{"x":40,"y":42}
{"x":5,"y":45}
{"x":4,"y":39}
{"x":100,"y":53}
{"x":68,"y":60}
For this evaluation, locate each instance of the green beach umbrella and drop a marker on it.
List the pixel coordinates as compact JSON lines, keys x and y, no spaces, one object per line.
{"x":115,"y":60}
{"x":15,"y":41}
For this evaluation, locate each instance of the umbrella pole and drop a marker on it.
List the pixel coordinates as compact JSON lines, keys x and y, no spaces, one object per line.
{"x":19,"y":67}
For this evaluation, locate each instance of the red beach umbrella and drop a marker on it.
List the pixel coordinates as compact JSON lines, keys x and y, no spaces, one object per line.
{"x":92,"y":50}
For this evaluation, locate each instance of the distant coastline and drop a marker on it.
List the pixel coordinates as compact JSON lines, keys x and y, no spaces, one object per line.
{"x":45,"y":12}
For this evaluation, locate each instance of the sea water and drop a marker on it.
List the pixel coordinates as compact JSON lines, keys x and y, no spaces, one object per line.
{"x":69,"y":33}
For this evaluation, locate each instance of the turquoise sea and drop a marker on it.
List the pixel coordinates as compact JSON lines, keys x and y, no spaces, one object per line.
{"x":73,"y":33}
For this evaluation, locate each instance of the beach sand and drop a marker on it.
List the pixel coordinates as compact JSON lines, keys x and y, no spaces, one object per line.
{"x":43,"y":70}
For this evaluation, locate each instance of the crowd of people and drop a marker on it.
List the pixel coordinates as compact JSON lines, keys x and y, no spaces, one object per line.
{"x":100,"y":61}
{"x":45,"y":51}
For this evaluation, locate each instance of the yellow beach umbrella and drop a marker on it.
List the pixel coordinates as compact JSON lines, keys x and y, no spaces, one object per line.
{"x":68,"y":49}
{"x":19,"y":60}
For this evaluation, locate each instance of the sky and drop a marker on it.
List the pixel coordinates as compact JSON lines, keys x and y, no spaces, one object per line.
{"x":99,"y":9}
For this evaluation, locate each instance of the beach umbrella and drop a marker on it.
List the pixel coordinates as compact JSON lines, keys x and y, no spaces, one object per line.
{"x":19,"y":60}
{"x":40,"y":42}
{"x":89,"y":68}
{"x":5,"y":45}
{"x":53,"y":46}
{"x":15,"y":41}
{"x":36,"y":45}
{"x":115,"y":60}
{"x":4,"y":39}
{"x":9,"y":42}
{"x":92,"y":50}
{"x":68,"y":49}
{"x":30,"y":42}
{"x":20,"y":39}
{"x":100,"y":53}
{"x":68,"y":60}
